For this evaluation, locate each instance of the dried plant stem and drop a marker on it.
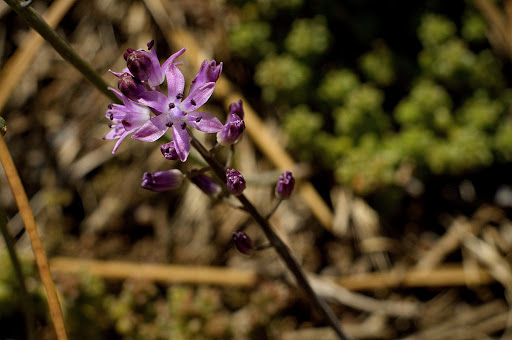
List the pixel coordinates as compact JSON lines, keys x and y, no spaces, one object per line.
{"x":278,"y":245}
{"x":166,"y":273}
{"x":61,"y":46}
{"x":37,"y":247}
{"x":28,"y":308}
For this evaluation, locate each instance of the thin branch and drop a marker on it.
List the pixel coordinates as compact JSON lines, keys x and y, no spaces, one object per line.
{"x":37,"y":247}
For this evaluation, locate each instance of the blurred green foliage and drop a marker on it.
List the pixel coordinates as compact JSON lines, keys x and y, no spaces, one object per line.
{"x":363,"y":91}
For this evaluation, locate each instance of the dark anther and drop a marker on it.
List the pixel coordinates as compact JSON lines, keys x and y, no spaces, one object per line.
{"x":167,"y":150}
{"x":193,"y":102}
{"x":193,"y":81}
{"x":110,"y":126}
{"x":183,"y":126}
{"x":198,"y":119}
{"x":125,"y":56}
{"x":111,"y":116}
{"x":126,"y":123}
{"x":110,"y":106}
{"x":151,"y":44}
{"x":172,"y":106}
{"x":168,"y":124}
{"x":179,"y":96}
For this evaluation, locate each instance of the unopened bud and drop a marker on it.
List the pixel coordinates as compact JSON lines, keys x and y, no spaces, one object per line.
{"x":243,"y":243}
{"x":139,"y":64}
{"x":235,"y":182}
{"x":231,"y":131}
{"x":131,"y":87}
{"x":237,"y":108}
{"x":285,"y":185}
{"x":162,"y":180}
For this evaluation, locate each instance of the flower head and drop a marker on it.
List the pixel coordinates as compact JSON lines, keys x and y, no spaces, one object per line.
{"x":235,"y":182}
{"x":139,"y":88}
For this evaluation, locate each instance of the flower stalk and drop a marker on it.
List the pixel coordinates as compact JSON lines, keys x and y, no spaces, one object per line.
{"x":277,"y":243}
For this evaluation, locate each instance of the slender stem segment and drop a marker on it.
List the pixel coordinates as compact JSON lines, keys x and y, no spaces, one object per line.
{"x":61,"y":46}
{"x":278,"y":244}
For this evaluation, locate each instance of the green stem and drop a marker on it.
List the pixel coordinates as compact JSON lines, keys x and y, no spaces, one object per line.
{"x":28,"y":308}
{"x":61,"y":46}
{"x":278,"y":245}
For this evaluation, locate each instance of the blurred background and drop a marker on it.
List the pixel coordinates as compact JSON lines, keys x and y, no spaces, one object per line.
{"x":397,"y":112}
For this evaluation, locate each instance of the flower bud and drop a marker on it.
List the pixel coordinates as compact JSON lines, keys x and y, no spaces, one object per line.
{"x":285,"y":186}
{"x":243,"y":243}
{"x":209,"y":72}
{"x":139,"y":64}
{"x":169,"y":151}
{"x":206,"y":184}
{"x":162,"y":180}
{"x":235,"y":182}
{"x":237,"y":108}
{"x":231,"y":131}
{"x":131,"y":87}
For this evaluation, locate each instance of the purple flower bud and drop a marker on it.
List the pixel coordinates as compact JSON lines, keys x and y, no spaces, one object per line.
{"x":208,"y":72}
{"x":162,"y":180}
{"x":206,"y":184}
{"x":235,"y":182}
{"x":139,"y":64}
{"x":285,"y":186}
{"x":231,"y":131}
{"x":237,"y":108}
{"x":131,"y":87}
{"x":169,"y":151}
{"x":243,"y":243}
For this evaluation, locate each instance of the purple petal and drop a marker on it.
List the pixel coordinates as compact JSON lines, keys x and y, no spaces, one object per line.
{"x":198,"y":97}
{"x":152,"y":129}
{"x":116,"y":132}
{"x":205,"y":122}
{"x":172,"y":58}
{"x":155,"y":100}
{"x":181,"y":141}
{"x":175,"y":83}
{"x":208,"y":72}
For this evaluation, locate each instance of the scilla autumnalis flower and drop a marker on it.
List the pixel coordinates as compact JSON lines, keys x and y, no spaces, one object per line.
{"x":142,"y":96}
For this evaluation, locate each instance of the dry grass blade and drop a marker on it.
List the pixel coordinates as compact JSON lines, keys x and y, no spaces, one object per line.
{"x":37,"y":247}
{"x":156,"y":272}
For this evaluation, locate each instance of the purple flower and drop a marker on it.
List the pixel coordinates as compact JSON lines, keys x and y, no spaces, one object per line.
{"x":162,"y":180}
{"x":206,"y":184}
{"x":178,"y":113}
{"x":243,"y":243}
{"x":139,"y":86}
{"x":235,"y":182}
{"x":285,"y":186}
{"x":169,"y":151}
{"x":126,"y":118}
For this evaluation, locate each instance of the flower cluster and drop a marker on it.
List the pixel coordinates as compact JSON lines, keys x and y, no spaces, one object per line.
{"x":147,"y":113}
